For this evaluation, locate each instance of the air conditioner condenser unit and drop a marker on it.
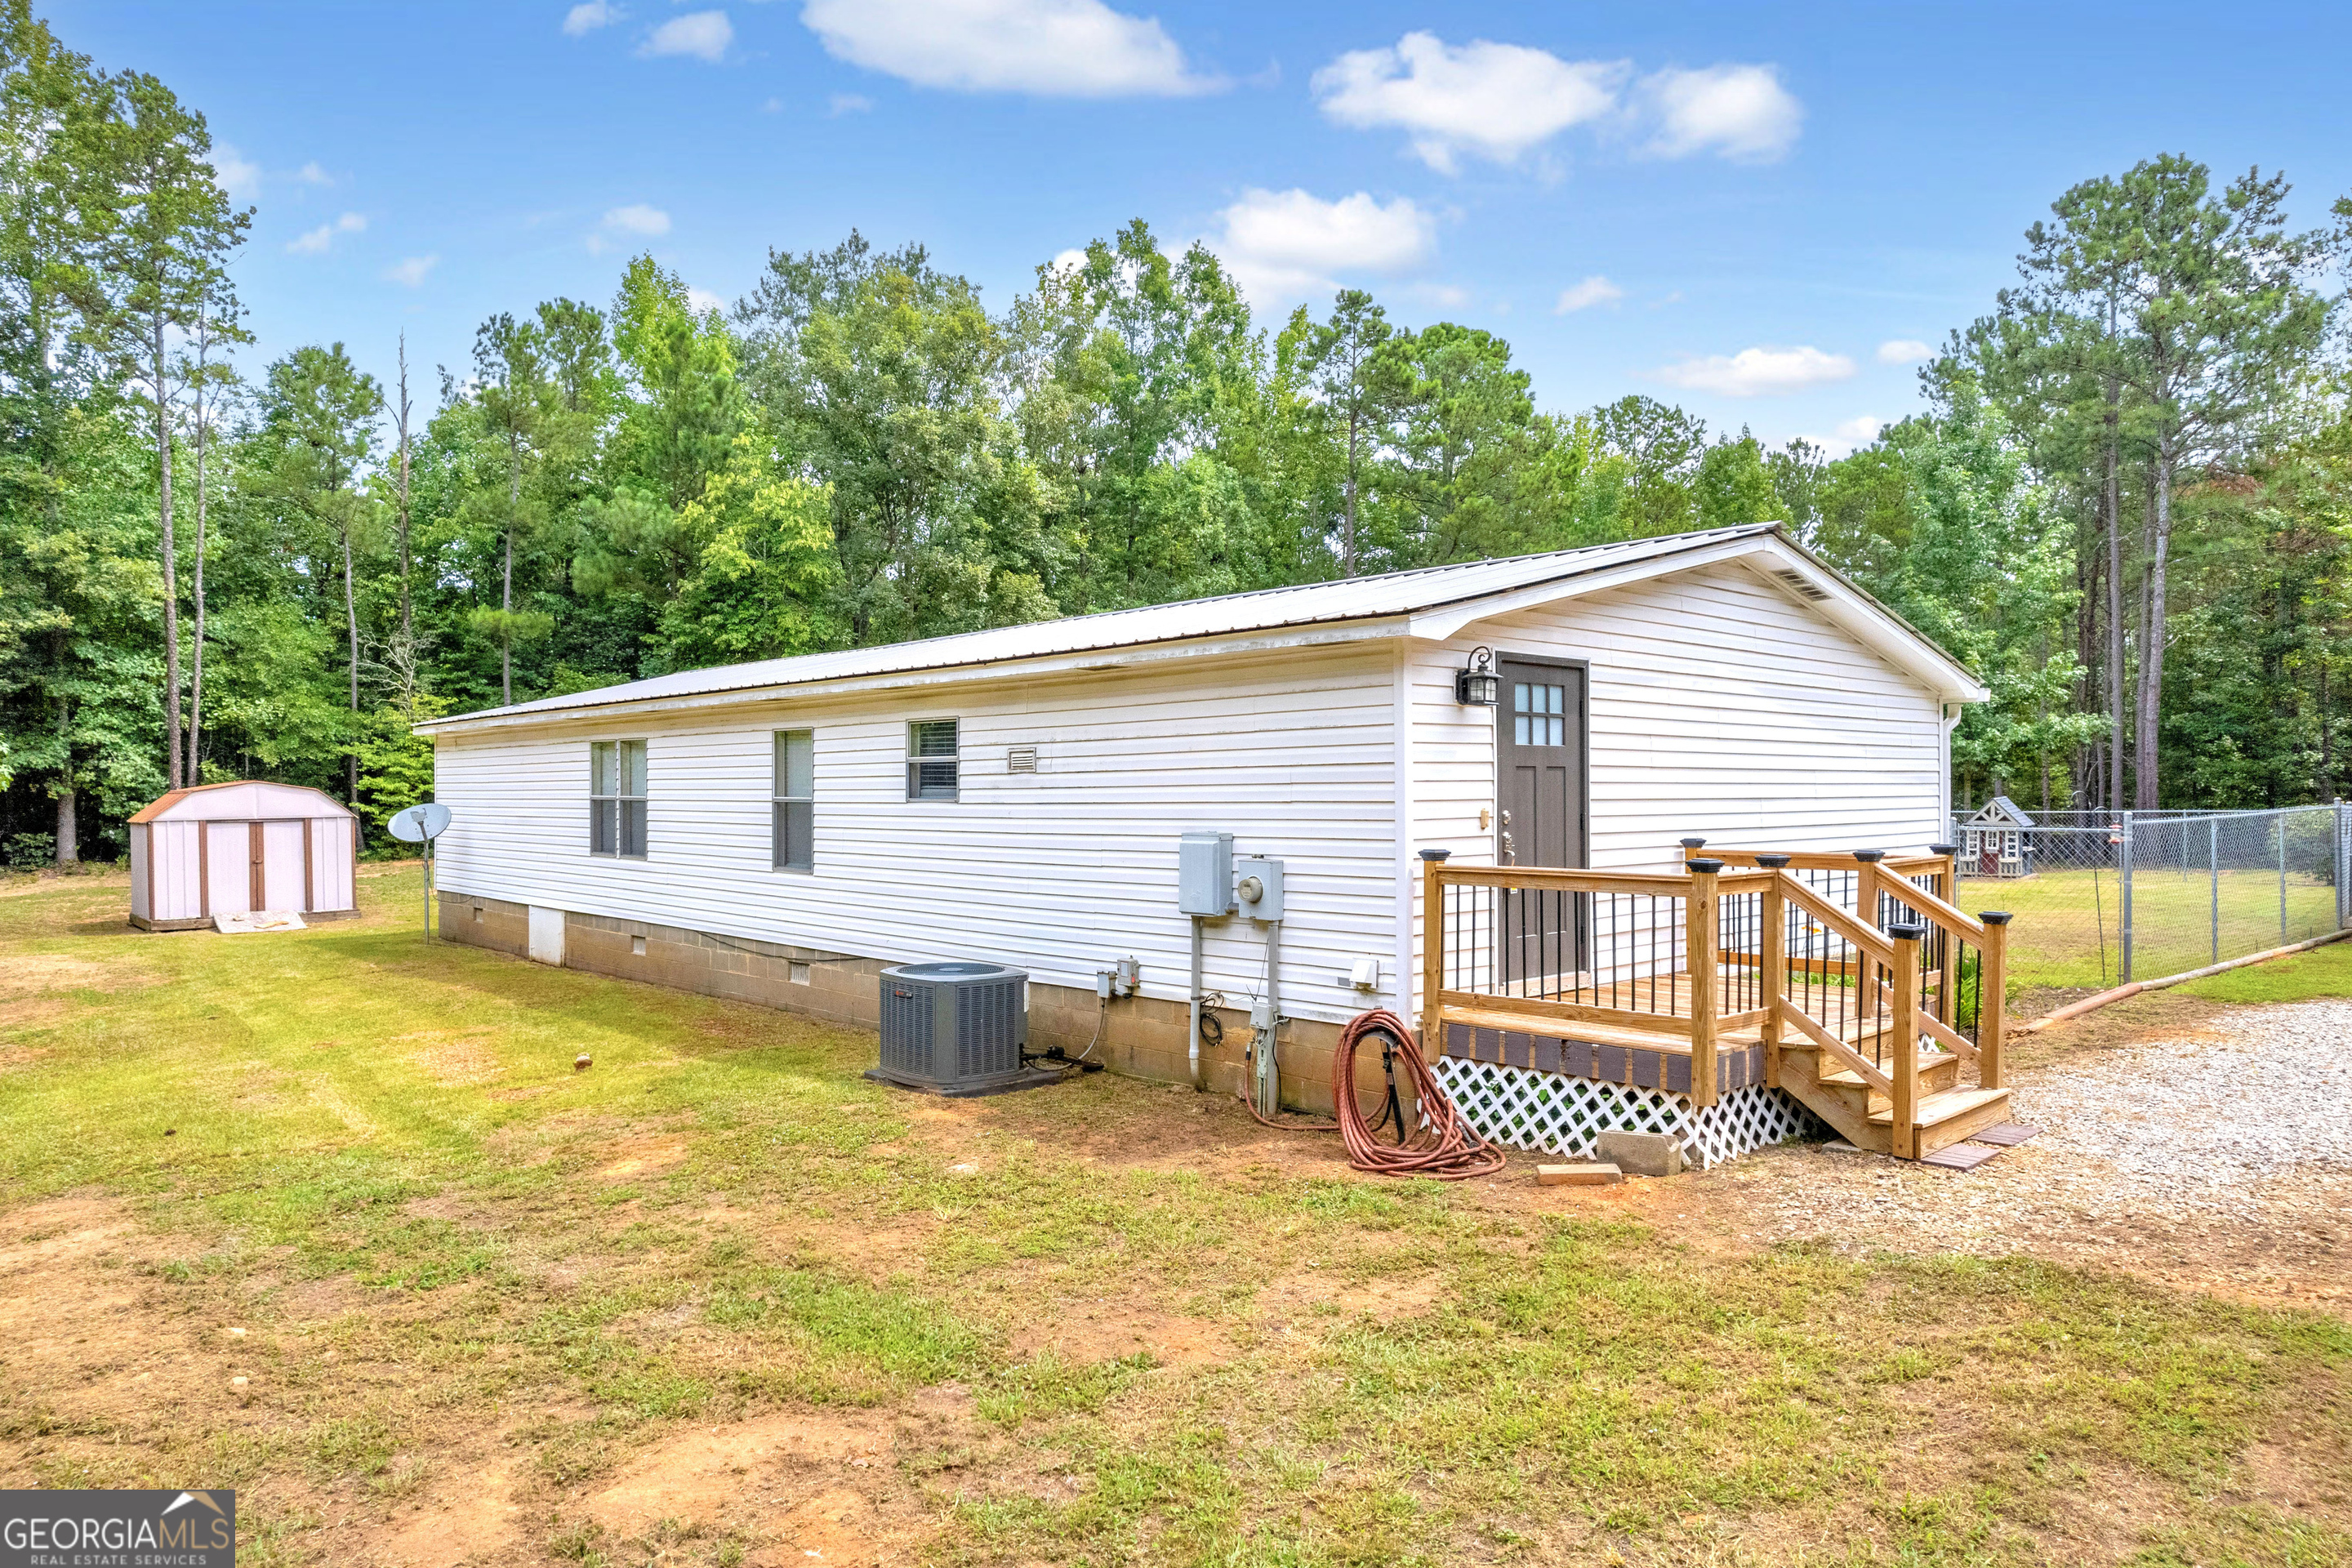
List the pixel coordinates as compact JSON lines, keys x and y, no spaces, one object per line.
{"x":958,"y":1028}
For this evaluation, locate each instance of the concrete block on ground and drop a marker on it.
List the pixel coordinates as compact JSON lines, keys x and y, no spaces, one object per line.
{"x":1641,"y":1153}
{"x":1584,"y":1174}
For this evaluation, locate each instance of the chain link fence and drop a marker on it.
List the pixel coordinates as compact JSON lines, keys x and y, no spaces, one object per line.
{"x":2105,"y":898}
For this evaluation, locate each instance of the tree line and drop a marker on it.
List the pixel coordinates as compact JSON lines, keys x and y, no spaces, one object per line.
{"x":2126,"y":506}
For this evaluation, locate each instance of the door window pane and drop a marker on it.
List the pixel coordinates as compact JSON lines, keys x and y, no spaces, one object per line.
{"x":1539,"y":714}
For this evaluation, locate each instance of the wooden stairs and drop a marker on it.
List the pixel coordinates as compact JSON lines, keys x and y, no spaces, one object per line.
{"x":1863,"y":1114}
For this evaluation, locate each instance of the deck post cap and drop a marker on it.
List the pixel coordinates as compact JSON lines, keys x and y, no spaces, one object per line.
{"x":1693,"y":843}
{"x":1870,"y":857}
{"x":1994,"y":916}
{"x":1902,"y":931}
{"x":1943,"y":848}
{"x":1437,"y":854}
{"x":1704,"y":867}
{"x":1771,"y":862}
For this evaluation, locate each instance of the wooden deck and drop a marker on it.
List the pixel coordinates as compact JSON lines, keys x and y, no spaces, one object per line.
{"x":1849,"y":981}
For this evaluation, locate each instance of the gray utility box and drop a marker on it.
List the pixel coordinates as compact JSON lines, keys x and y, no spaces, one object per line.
{"x":1258,"y":888}
{"x":1204,"y":873}
{"x":955,"y":1027}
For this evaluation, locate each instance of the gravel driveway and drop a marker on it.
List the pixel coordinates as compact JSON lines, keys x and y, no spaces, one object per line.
{"x":2221,"y":1159}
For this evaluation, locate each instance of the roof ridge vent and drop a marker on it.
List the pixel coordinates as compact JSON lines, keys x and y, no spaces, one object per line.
{"x":1801,"y":584}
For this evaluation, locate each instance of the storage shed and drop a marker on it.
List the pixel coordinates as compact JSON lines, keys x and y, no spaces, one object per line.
{"x":781,"y":831}
{"x":242,"y":848}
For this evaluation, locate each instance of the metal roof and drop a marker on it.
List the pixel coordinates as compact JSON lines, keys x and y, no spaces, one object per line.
{"x":1387,"y":595}
{"x":241,"y":800}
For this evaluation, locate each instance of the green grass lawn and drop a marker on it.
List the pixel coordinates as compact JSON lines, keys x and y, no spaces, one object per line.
{"x":2066,"y":933}
{"x":461,"y":1266}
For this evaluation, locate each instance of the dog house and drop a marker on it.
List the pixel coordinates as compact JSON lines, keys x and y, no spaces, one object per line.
{"x":241,"y":848}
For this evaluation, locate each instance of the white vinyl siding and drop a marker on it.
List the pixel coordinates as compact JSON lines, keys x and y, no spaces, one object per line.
{"x":1721,"y":707}
{"x":1059,"y":871}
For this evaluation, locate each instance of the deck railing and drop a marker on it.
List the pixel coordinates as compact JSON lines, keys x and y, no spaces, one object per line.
{"x":1746,"y":944}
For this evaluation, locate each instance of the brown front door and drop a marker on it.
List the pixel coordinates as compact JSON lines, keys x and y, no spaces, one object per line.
{"x":1539,"y":771}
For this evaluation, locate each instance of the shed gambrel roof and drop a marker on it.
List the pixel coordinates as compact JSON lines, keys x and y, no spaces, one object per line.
{"x":241,"y":800}
{"x":1432,"y":602}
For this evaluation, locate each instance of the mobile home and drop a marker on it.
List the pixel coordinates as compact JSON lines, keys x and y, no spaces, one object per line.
{"x":780,"y":831}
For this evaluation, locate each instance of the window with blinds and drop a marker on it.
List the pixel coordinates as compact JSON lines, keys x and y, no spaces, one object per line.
{"x":932,"y":760}
{"x":617,"y":798}
{"x":795,"y":846}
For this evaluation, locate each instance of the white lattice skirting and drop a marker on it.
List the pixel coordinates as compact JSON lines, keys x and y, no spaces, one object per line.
{"x":1522,"y":1109}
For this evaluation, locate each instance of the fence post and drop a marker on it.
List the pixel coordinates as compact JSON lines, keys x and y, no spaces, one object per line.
{"x":1992,"y":1000}
{"x":1432,"y":950}
{"x":1774,"y":959}
{"x":2343,"y":863}
{"x":2124,"y":887}
{"x":1699,"y":940}
{"x":2214,"y":854}
{"x":2278,"y":826}
{"x":1904,"y":1132}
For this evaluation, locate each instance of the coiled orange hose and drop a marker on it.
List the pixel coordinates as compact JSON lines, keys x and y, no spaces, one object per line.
{"x":1447,"y":1149}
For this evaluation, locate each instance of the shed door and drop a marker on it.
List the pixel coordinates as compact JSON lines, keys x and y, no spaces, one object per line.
{"x":283,"y":882}
{"x":228,"y":868}
{"x":1540,"y":766}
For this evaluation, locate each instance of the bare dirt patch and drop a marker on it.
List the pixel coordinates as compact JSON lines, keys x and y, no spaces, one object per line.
{"x":1112,"y":1330}
{"x":450,"y":1057}
{"x":35,"y":975}
{"x":697,"y":1474}
{"x":641,"y":1157}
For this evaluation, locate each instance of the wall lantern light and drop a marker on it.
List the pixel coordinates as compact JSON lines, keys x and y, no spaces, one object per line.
{"x":1476,"y":685}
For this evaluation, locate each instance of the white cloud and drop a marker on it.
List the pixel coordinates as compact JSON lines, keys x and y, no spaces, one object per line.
{"x":1850,"y":436}
{"x":589,"y":16}
{"x":411,"y":273}
{"x":848,"y":103}
{"x":310,"y":174}
{"x":702,"y":301}
{"x":240,"y":177}
{"x":702,"y":34}
{"x":1063,"y":48}
{"x":1904,"y":351}
{"x":317,"y":241}
{"x":1594,"y":290}
{"x":1069,"y":261}
{"x":1496,"y":101}
{"x":1740,"y":111}
{"x":1759,"y":373}
{"x":1288,"y":245}
{"x":638,"y":217}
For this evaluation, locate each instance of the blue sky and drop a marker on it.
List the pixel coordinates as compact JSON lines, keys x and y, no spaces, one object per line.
{"x":1747,"y":209}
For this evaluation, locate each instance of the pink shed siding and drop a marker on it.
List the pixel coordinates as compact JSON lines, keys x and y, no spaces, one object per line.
{"x":192,"y":853}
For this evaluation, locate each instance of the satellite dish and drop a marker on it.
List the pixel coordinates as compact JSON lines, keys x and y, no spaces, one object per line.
{"x":420,"y":823}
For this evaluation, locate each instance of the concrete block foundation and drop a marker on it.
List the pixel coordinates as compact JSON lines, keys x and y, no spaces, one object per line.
{"x":1137,"y":1036}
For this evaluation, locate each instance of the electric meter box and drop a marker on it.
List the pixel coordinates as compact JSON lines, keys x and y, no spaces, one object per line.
{"x":1267,"y":876}
{"x":1205,"y":872}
